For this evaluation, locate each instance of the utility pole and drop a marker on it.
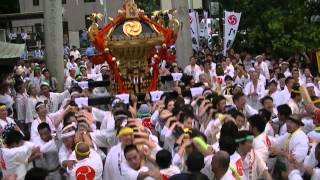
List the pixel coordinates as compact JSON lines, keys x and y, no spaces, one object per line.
{"x":184,"y":43}
{"x":53,"y":33}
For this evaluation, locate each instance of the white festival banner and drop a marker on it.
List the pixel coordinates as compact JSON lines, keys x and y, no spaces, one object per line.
{"x":231,"y":24}
{"x":206,"y":28}
{"x":194,"y":28}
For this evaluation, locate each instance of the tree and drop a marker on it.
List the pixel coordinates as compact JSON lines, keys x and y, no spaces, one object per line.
{"x":148,"y":5}
{"x":278,"y":27}
{"x":9,"y":6}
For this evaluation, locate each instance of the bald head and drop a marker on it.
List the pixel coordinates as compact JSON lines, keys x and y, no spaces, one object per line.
{"x":220,"y":161}
{"x":82,"y":150}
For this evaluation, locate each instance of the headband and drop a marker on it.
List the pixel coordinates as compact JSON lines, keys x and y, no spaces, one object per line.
{"x":37,"y":106}
{"x":249,"y":137}
{"x":68,"y":134}
{"x":82,"y":66}
{"x":72,"y":125}
{"x":296,"y":91}
{"x":81,"y":153}
{"x":3,"y":107}
{"x":37,"y":68}
{"x":125,"y":131}
{"x":120,"y":116}
{"x":75,"y":93}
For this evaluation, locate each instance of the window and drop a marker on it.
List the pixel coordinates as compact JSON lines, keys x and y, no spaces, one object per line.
{"x":87,"y":21}
{"x":65,"y":27}
{"x":35,"y":2}
{"x":86,"y":1}
{"x":64,"y":1}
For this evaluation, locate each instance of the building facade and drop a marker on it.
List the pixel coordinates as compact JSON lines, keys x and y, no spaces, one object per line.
{"x":74,"y":12}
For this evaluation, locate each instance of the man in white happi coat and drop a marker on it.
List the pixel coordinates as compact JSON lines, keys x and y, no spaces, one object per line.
{"x":193,"y":69}
{"x":104,"y":73}
{"x":263,"y":66}
{"x":32,"y":100}
{"x":66,"y":149}
{"x":240,"y":102}
{"x":309,"y":166}
{"x":35,"y":77}
{"x":294,"y":142}
{"x":249,"y":164}
{"x":49,"y":147}
{"x":88,"y":163}
{"x":295,"y":100}
{"x":71,"y":78}
{"x":283,"y":96}
{"x":284,"y":66}
{"x":4,"y":119}
{"x":261,"y":141}
{"x":51,"y":99}
{"x":53,"y":119}
{"x":254,"y":90}
{"x":113,"y":168}
{"x":17,"y":154}
{"x":135,"y":168}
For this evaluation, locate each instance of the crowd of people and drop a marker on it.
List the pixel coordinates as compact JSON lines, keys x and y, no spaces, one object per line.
{"x":228,"y":117}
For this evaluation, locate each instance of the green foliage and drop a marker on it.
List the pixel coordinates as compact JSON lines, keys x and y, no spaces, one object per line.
{"x":148,"y":5}
{"x":9,"y":6}
{"x":278,"y":27}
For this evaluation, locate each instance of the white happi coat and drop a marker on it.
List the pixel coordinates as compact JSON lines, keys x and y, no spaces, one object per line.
{"x":20,"y":104}
{"x":55,"y":100}
{"x":15,"y":160}
{"x":254,"y":100}
{"x":314,"y":136}
{"x":3,"y":123}
{"x":261,"y":145}
{"x":50,"y":119}
{"x":282,"y":97}
{"x":31,"y":113}
{"x":94,"y":161}
{"x":252,"y":162}
{"x":296,"y":144}
{"x":113,"y":169}
{"x":193,"y":71}
{"x":228,"y":176}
